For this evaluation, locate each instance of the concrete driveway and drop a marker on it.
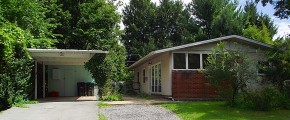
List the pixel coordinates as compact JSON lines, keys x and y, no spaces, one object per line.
{"x":60,"y":110}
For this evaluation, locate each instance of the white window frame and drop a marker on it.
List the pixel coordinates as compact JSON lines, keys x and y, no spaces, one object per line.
{"x":150,"y":83}
{"x":186,"y":60}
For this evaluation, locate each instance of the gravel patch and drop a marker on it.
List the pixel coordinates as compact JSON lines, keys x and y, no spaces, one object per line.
{"x":138,"y":112}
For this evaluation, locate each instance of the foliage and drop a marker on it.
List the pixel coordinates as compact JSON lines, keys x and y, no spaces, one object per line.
{"x":279,"y":59}
{"x":106,"y":68}
{"x":218,"y":110}
{"x":156,"y":27}
{"x":91,"y":24}
{"x":264,"y":99}
{"x":228,"y":22}
{"x":138,"y":19}
{"x":31,"y":17}
{"x":282,"y":7}
{"x":103,"y":105}
{"x":260,"y":20}
{"x":229,"y":71}
{"x":112,"y":97}
{"x":255,"y":33}
{"x":15,"y":66}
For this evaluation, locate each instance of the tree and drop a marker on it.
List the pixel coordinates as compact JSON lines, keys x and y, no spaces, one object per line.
{"x":228,"y":22}
{"x":172,"y":25}
{"x":229,"y":71}
{"x":253,"y":32}
{"x":30,"y":16}
{"x":15,"y":65}
{"x":138,"y":19}
{"x":204,"y":12}
{"x":90,"y":24}
{"x":279,"y":58}
{"x":282,"y":7}
{"x":253,"y":18}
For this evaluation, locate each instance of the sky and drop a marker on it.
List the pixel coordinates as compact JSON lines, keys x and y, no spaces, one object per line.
{"x":283,"y":25}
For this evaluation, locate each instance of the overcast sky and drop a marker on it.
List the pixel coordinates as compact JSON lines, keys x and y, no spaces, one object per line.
{"x":283,"y":25}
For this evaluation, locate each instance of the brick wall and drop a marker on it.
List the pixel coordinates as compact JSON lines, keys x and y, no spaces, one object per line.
{"x":191,"y":84}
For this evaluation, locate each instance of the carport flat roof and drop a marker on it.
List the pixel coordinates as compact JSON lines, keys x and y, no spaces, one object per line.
{"x":63,"y":56}
{"x":33,"y":50}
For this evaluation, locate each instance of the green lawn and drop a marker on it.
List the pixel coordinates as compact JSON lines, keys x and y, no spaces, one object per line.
{"x":218,"y":111}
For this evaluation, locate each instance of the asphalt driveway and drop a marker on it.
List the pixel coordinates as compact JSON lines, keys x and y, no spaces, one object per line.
{"x":66,"y":110}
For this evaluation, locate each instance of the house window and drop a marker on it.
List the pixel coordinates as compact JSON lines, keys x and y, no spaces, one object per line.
{"x":144,"y":76}
{"x":138,"y":79}
{"x":261,"y":67}
{"x":193,"y":61}
{"x":179,"y":61}
{"x":189,"y":60}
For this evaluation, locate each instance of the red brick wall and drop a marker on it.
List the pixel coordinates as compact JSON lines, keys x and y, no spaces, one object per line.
{"x":191,"y":84}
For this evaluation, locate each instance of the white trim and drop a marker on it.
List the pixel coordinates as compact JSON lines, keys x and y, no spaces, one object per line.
{"x":238,"y":38}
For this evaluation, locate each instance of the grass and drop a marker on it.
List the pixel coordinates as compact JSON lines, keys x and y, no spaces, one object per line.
{"x":218,"y":111}
{"x":103,"y":105}
{"x":102,"y":117}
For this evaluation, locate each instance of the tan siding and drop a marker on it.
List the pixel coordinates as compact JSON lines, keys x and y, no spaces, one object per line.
{"x":165,"y":75}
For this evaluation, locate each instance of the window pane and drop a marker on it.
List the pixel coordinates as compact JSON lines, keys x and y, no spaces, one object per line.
{"x":193,"y":61}
{"x":204,"y":60}
{"x":179,"y":60}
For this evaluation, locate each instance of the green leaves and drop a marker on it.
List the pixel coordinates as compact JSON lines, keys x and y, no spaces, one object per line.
{"x":230,"y":71}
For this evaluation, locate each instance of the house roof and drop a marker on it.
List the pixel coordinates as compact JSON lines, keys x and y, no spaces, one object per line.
{"x":63,"y":56}
{"x":231,"y":37}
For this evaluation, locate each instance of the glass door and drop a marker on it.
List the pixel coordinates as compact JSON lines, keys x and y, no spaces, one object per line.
{"x":156,"y":78}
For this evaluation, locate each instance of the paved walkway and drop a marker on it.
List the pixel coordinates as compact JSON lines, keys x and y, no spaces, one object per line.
{"x":69,"y":110}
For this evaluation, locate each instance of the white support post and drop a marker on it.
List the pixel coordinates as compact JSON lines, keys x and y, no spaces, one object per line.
{"x":35,"y":82}
{"x":43,"y":80}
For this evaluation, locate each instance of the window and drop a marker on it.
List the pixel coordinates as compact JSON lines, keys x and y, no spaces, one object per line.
{"x":189,"y":60}
{"x":138,"y":77}
{"x":261,"y":67}
{"x":144,"y":78}
{"x":193,"y":61}
{"x":179,"y":61}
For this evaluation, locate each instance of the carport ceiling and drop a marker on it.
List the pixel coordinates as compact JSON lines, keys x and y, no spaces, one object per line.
{"x":63,"y":56}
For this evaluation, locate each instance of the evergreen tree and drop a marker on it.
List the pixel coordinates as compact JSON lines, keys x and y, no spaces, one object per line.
{"x":138,"y":19}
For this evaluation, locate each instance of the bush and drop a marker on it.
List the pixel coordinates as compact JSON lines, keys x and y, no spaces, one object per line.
{"x":112,"y":97}
{"x":264,"y":99}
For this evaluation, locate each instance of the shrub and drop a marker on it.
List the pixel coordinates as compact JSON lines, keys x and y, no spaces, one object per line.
{"x":229,"y":71}
{"x":264,"y":99}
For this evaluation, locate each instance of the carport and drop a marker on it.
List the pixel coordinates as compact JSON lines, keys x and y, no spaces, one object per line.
{"x":59,"y":70}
